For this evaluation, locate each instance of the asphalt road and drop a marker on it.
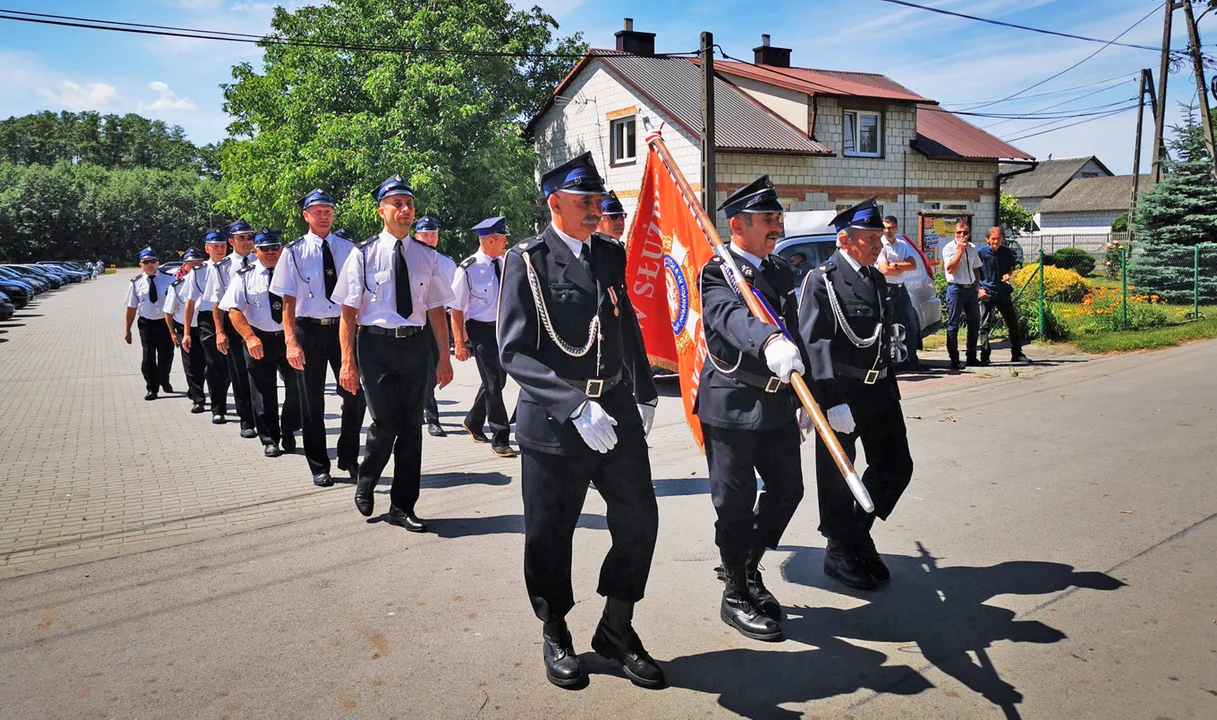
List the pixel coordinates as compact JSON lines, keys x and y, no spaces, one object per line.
{"x":1053,"y":558}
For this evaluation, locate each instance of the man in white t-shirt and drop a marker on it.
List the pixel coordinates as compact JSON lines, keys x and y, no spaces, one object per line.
{"x":961,"y":263}
{"x":896,"y":260}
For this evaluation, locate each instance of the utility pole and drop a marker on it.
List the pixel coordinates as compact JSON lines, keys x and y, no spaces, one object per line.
{"x":1163,"y":71}
{"x":1147,"y":88}
{"x":708,"y":185}
{"x":1202,"y":92}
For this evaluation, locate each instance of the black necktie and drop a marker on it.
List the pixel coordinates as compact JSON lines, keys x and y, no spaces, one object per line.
{"x":245,"y":261}
{"x":498,"y":271}
{"x":401,"y":282}
{"x":276,"y":302}
{"x":152,"y":294}
{"x":585,"y":257}
{"x":327,"y":264}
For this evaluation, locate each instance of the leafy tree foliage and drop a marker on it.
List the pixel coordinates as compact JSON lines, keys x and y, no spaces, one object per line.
{"x":89,"y":138}
{"x":345,"y":120}
{"x":1013,"y":217}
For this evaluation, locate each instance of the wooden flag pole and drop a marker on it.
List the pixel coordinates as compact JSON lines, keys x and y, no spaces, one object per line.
{"x":827,"y":434}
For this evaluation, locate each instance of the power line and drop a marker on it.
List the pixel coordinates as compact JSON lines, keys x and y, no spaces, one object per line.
{"x":1065,"y":102}
{"x":1055,"y":92}
{"x":1080,"y":122}
{"x":1016,"y":26}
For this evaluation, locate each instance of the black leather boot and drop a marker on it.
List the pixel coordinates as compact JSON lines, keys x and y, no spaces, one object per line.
{"x":869,"y":555}
{"x":562,"y":666}
{"x":738,"y":611}
{"x":365,"y":501}
{"x":616,"y":640}
{"x":761,"y":597}
{"x":841,"y":562}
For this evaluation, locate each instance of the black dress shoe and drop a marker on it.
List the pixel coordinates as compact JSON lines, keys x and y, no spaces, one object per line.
{"x":503,"y":451}
{"x":249,"y":433}
{"x":167,"y":387}
{"x":218,"y":419}
{"x":956,"y":366}
{"x":436,"y":430}
{"x":973,"y":361}
{"x":616,"y":640}
{"x":289,"y":443}
{"x":323,"y":480}
{"x":198,"y":408}
{"x":841,"y":563}
{"x":1021,"y":358}
{"x":562,"y":666}
{"x":984,"y":360}
{"x":477,"y":435}
{"x":403,"y":519}
{"x":150,"y":395}
{"x":271,"y":450}
{"x":738,"y":611}
{"x":871,"y":561}
{"x":364,"y":500}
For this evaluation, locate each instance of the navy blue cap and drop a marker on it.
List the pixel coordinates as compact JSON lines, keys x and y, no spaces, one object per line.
{"x":610,"y":205}
{"x":194,"y":254}
{"x":147,"y":253}
{"x":239,"y":226}
{"x":214,"y":236}
{"x":576,"y":176}
{"x":865,"y":215}
{"x":491,"y":226}
{"x":757,"y":196}
{"x":316,"y":197}
{"x":393,"y":186}
{"x":267,"y":237}
{"x":426,"y":223}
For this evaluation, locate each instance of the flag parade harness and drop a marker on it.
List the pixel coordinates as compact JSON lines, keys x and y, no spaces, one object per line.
{"x":898,"y":351}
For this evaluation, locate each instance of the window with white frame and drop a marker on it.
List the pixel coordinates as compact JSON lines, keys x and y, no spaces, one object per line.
{"x":863,"y":133}
{"x":946,"y":205}
{"x":623,"y":140}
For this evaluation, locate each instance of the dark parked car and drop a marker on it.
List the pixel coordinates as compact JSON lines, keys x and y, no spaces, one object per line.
{"x":6,"y":308}
{"x":53,"y":279}
{"x":16,"y":272}
{"x":18,"y":293}
{"x":73,"y":274}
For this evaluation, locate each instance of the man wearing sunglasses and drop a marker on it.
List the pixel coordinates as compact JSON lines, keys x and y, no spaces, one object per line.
{"x":146,"y":298}
{"x":962,"y":265}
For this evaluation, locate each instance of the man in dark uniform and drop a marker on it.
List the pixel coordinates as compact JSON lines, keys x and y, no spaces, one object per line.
{"x":305,"y":278}
{"x":475,"y":313}
{"x":426,"y":231}
{"x":845,"y":321}
{"x":747,"y":408}
{"x":198,"y":312}
{"x":566,"y":330}
{"x":256,"y":313}
{"x":390,"y":286}
{"x":612,"y":218}
{"x":228,"y":340}
{"x":183,"y":335}
{"x":146,"y":298}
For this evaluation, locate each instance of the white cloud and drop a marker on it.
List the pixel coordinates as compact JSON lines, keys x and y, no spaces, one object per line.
{"x":72,"y":96}
{"x":168,"y":99}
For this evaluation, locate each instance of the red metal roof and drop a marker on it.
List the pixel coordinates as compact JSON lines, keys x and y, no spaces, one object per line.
{"x":822,"y":82}
{"x":944,"y":136}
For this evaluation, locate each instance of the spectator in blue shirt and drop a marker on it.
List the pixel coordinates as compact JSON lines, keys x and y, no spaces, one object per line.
{"x":996,"y":295}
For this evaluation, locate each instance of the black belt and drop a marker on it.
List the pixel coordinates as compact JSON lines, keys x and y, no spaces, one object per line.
{"x":316,"y":321}
{"x":402,"y":332}
{"x":259,"y":331}
{"x":595,"y":387}
{"x":962,"y":285}
{"x":768,"y":383}
{"x":481,"y":322}
{"x":868,"y":377}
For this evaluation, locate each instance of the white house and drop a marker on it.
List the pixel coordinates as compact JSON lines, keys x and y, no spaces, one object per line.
{"x":1088,"y":206}
{"x":827,"y":139}
{"x":1047,"y":179}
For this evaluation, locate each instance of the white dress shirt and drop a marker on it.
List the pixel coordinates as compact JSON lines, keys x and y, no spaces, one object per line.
{"x":967,"y":271}
{"x":367,"y":282}
{"x":196,"y":287}
{"x":219,"y":280}
{"x":249,"y":292}
{"x":476,"y":288}
{"x":897,"y":252}
{"x":301,"y":274}
{"x":175,"y":302}
{"x":137,"y":295}
{"x":756,"y":261}
{"x":576,"y":246}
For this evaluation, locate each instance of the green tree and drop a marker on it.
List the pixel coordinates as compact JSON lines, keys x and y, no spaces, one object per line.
{"x":1182,"y":208}
{"x":1013,"y":217}
{"x":346,"y":119}
{"x":110,"y":141}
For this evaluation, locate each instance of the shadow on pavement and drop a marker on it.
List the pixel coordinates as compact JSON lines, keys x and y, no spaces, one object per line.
{"x":498,"y":525}
{"x":682,"y":486}
{"x":940,"y":613}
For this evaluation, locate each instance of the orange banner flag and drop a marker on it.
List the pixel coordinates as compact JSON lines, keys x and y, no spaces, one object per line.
{"x":665,"y":253}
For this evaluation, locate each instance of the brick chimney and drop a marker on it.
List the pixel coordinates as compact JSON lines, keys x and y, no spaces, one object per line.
{"x":769,"y":55}
{"x":636,"y":43}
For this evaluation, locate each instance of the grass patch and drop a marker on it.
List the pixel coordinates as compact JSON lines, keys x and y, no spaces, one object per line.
{"x":1150,"y":339}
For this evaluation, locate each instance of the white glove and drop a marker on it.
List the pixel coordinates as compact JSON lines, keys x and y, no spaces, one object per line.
{"x":595,"y":426}
{"x":782,"y":357}
{"x":840,"y":418}
{"x":647,"y":413}
{"x":804,"y":421}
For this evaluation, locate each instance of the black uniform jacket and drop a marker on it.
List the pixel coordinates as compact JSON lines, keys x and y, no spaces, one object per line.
{"x":826,"y":343}
{"x":573,"y":299}
{"x":734,"y":338}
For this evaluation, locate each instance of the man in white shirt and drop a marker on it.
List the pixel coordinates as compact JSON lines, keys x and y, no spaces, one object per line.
{"x":183,"y":334}
{"x":256,"y":313}
{"x":897,"y":259}
{"x":475,"y":313}
{"x":198,"y":313}
{"x":389,"y":287}
{"x":146,"y":298}
{"x":962,"y":265}
{"x":426,"y":231}
{"x":305,"y":278}
{"x":228,"y":341}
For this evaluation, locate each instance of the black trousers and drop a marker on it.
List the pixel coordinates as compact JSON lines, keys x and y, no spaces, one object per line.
{"x":321,"y":350}
{"x":430,"y":404}
{"x":1005,"y":305}
{"x":264,"y":377}
{"x":734,"y":457}
{"x":193,"y":363}
{"x":242,"y":396}
{"x":488,"y":403}
{"x":962,"y":306}
{"x":157,"y":361}
{"x":217,"y":364}
{"x":889,"y":467}
{"x":554,"y":487}
{"x":394,"y":372}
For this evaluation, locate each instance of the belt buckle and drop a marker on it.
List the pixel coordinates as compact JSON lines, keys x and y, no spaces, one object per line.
{"x":872,"y":376}
{"x":400,"y":331}
{"x":774,"y":384}
{"x":594,"y":388}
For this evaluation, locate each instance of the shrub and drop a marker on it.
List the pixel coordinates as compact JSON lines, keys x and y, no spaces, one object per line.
{"x":1074,"y":259}
{"x":1060,"y":284}
{"x":1028,"y":309}
{"x":1102,"y":311}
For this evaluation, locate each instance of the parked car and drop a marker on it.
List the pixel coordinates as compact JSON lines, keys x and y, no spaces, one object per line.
{"x":16,"y":272}
{"x":810,"y":233}
{"x":53,"y":279}
{"x":74,"y":274}
{"x":6,"y":307}
{"x":18,"y":293}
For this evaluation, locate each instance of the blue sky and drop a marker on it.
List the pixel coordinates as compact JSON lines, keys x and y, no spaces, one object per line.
{"x":957,"y":62}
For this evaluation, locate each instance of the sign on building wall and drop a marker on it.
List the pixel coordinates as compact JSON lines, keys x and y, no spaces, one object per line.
{"x":936,"y":228}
